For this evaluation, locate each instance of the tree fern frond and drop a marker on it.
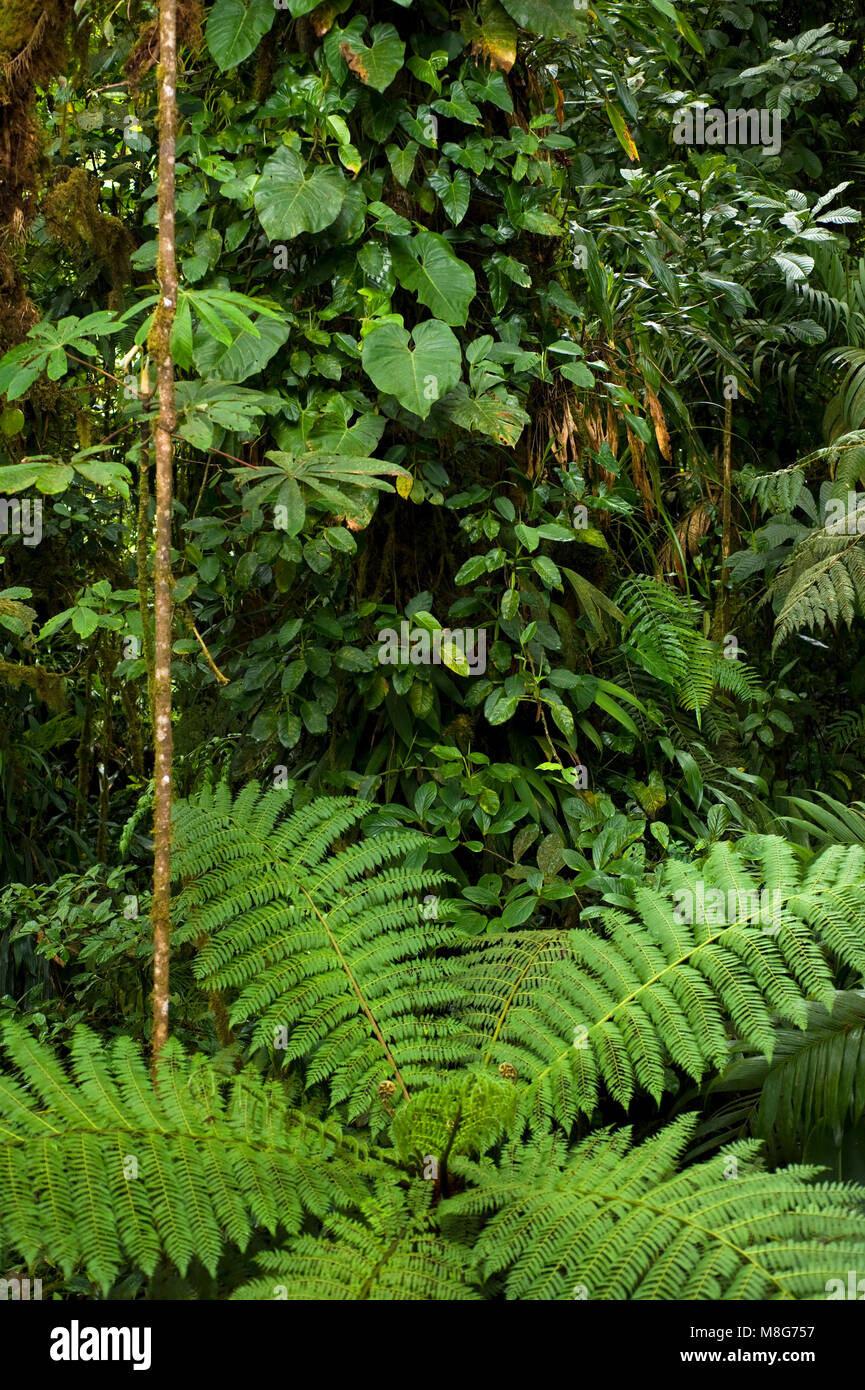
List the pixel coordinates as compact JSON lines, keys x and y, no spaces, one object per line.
{"x":102,"y":1168}
{"x":607,"y":1221}
{"x":391,"y":1251}
{"x":663,"y":638}
{"x":814,"y":1078}
{"x":572,"y":1012}
{"x":822,"y":583}
{"x":324,"y":943}
{"x":777,"y":491}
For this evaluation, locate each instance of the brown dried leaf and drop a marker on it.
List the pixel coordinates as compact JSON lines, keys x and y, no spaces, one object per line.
{"x":355,"y":61}
{"x":662,"y":434}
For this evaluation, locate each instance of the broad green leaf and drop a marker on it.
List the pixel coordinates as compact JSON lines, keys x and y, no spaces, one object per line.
{"x":510,"y":604}
{"x":102,"y":473}
{"x":15,"y":380}
{"x":492,"y":35}
{"x":84,"y":621}
{"x":19,"y":476}
{"x":562,"y":716}
{"x":417,"y":377}
{"x":549,"y":855}
{"x":55,"y":478}
{"x":54,"y":624}
{"x":313,"y":717}
{"x":499,"y":416}
{"x":288,"y":730}
{"x":426,"y":265}
{"x":421,"y":698}
{"x":181,"y":335}
{"x":291,"y":199}
{"x":471,"y":570}
{"x":548,"y":571}
{"x":290,"y":499}
{"x":499,"y":707}
{"x":379,"y":64}
{"x":454,"y":659}
{"x":579,"y":373}
{"x":246,"y":356}
{"x":455,"y":193}
{"x":402,"y":161}
{"x":551,"y":19}
{"x":235,"y":28}
{"x":623,"y":135}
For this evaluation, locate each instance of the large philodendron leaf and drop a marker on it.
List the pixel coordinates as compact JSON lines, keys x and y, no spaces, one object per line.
{"x":426,"y":265}
{"x":416,"y":377}
{"x":496,"y":413}
{"x":552,"y":19}
{"x":378,"y":64}
{"x":292,"y":198}
{"x":235,"y":28}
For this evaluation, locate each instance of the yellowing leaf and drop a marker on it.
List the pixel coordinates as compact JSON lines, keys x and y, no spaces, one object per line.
{"x":404,"y":486}
{"x":323,"y":15}
{"x":623,"y":135}
{"x":492,"y":35}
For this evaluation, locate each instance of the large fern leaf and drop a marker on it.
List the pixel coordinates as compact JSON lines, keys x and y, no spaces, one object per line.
{"x":663,"y":637}
{"x":572,"y":1012}
{"x":607,"y":1221}
{"x":101,"y":1169}
{"x":814,"y":1081}
{"x":390,"y":1251}
{"x":323,"y":939}
{"x":823,"y":584}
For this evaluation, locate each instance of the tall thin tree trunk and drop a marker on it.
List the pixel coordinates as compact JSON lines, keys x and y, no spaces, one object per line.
{"x":159,"y":346}
{"x":721,"y":614}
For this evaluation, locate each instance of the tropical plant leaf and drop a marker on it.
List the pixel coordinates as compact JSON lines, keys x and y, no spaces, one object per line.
{"x":292,"y":198}
{"x":418,"y":376}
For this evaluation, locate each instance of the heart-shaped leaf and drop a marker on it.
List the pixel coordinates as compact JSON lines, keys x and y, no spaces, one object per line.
{"x":417,"y":378}
{"x":492,"y":35}
{"x":245,"y":356}
{"x":426,"y":265}
{"x":554,"y":19}
{"x":379,"y":64}
{"x":235,"y":28}
{"x":455,"y":193}
{"x":499,"y":415}
{"x":291,"y":199}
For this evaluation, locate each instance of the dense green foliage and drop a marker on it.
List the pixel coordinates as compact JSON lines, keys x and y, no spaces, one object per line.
{"x":467,"y":341}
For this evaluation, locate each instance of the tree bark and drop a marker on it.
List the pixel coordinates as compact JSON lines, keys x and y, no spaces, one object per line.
{"x":722,"y":606}
{"x":159,"y":346}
